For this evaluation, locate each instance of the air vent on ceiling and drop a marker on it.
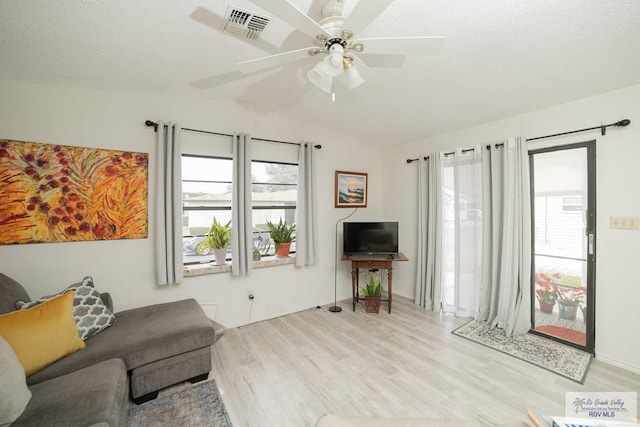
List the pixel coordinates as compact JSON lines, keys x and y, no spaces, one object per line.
{"x":244,"y":24}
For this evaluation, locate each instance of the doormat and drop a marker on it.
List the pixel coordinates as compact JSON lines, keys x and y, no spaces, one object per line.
{"x":566,"y":334}
{"x":560,"y":359}
{"x":196,"y":405}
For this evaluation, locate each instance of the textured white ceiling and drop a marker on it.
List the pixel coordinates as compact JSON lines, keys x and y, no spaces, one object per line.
{"x":500,"y":58}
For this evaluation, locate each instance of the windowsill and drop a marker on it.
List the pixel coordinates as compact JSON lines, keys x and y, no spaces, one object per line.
{"x":211,"y":268}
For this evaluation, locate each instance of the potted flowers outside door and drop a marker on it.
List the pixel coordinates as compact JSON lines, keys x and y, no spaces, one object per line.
{"x":372,"y":293}
{"x":546,"y":293}
{"x":569,"y":302}
{"x":218,"y":238}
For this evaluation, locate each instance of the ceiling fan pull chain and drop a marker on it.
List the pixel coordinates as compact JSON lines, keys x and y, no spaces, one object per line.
{"x":333,"y":89}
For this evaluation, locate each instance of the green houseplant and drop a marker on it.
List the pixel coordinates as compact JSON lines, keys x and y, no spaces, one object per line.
{"x":372,"y":293}
{"x":282,"y":235}
{"x":218,"y":238}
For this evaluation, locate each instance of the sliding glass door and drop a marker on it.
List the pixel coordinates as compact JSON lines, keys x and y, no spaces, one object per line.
{"x":563,"y":229}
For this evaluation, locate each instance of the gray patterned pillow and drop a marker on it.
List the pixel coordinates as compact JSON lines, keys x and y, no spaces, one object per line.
{"x":89,"y":311}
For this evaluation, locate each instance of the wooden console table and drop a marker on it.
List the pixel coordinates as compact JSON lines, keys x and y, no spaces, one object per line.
{"x":368,"y":262}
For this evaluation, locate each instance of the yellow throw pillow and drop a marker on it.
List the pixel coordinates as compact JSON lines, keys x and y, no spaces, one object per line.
{"x":42,"y":334}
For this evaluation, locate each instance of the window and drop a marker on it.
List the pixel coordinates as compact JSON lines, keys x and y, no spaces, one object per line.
{"x":274,"y":194}
{"x":206,"y":193}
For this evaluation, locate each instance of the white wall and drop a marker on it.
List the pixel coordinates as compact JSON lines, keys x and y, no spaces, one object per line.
{"x":617,"y":173}
{"x":79,"y":117}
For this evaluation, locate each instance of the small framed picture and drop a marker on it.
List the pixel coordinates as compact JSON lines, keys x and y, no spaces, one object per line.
{"x":351,"y":189}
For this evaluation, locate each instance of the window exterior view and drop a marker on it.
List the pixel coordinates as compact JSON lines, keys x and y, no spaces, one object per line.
{"x":206,"y":194}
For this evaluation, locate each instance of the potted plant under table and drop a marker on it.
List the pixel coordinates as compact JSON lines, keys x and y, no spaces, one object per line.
{"x":218,"y":238}
{"x":372,"y":293}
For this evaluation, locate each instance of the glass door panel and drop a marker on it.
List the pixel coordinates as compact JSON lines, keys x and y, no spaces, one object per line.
{"x":563,"y":246}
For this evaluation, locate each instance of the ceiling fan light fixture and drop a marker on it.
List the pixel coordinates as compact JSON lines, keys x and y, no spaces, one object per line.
{"x":319,"y":78}
{"x":330,"y":66}
{"x":356,"y":47}
{"x":322,"y":74}
{"x":333,"y":62}
{"x":354,"y":79}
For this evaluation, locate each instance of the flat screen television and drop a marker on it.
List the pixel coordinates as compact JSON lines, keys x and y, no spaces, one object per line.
{"x":370,"y":238}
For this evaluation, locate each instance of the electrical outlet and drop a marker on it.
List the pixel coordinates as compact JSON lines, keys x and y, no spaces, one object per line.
{"x":250,"y":295}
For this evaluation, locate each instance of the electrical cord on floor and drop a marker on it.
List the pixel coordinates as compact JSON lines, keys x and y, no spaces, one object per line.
{"x":250,"y":311}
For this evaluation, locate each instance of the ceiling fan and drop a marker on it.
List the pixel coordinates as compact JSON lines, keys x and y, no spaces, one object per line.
{"x":336,"y":39}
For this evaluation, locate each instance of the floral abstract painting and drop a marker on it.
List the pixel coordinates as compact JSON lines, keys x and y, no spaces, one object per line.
{"x":58,"y":193}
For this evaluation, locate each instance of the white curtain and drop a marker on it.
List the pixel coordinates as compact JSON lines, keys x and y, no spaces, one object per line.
{"x":461,"y":209}
{"x":169,"y":205}
{"x":306,"y":208}
{"x":475,"y":235}
{"x":506,"y":296}
{"x":241,"y":208}
{"x":428,"y":289}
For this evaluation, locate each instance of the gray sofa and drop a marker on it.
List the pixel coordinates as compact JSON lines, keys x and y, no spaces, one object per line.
{"x":147,"y":349}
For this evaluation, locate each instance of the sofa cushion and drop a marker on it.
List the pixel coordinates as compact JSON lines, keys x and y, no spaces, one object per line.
{"x":94,"y":396}
{"x":42,"y":334}
{"x":141,"y":336}
{"x":10,"y":292}
{"x":14,"y":394}
{"x":92,"y":316}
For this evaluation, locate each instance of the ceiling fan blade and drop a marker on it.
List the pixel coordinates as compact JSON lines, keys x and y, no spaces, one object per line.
{"x":363,"y":13}
{"x":403,"y":45}
{"x":207,"y":17}
{"x":217,"y":80}
{"x":289,"y":13}
{"x":373,"y":82}
{"x":266,"y":62}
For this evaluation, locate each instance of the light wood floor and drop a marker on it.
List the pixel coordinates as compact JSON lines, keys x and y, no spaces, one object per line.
{"x":292,"y":370}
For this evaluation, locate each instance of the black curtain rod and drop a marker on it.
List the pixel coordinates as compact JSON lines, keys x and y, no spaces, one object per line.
{"x":153,"y":124}
{"x":603,"y":131}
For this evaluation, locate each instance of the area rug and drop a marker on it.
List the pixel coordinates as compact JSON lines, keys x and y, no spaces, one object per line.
{"x":563,"y":333}
{"x":560,"y":359}
{"x":195,"y":405}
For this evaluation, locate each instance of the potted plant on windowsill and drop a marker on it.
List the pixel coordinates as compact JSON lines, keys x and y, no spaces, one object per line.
{"x":282,"y":236}
{"x":372,"y":293}
{"x":218,"y":238}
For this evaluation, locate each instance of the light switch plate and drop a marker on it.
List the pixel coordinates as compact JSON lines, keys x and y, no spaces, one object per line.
{"x":625,"y":222}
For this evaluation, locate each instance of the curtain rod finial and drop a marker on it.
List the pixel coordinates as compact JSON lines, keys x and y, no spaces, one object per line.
{"x":150,"y":123}
{"x":625,"y":122}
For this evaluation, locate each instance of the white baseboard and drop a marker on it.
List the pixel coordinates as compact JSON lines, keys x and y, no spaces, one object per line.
{"x":617,"y":363}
